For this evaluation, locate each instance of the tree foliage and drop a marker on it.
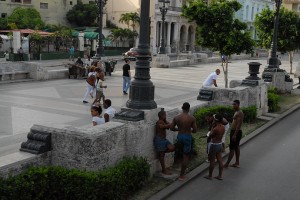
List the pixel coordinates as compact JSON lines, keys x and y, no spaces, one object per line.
{"x":217,"y":28}
{"x":26,"y":18}
{"x":83,"y":14}
{"x":288,"y":29}
{"x":132,"y":17}
{"x":120,"y":35}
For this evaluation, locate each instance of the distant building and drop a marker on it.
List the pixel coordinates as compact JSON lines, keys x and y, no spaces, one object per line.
{"x":52,"y":11}
{"x":293,"y":5}
{"x":249,"y":10}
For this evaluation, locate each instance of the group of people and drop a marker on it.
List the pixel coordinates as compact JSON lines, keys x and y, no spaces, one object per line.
{"x":185,"y":124}
{"x":95,"y":88}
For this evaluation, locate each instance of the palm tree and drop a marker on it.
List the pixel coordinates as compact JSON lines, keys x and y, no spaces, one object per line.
{"x":125,"y":18}
{"x":135,"y":19}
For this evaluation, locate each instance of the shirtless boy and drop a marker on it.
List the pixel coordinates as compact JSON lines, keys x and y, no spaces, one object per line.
{"x":161,"y":144}
{"x":186,"y":125}
{"x":235,"y":135}
{"x":215,"y":147}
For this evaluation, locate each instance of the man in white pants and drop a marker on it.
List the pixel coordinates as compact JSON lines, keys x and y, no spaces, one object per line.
{"x":212,"y":79}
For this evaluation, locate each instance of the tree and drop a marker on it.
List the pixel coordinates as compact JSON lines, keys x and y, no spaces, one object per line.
{"x":217,"y":28}
{"x":83,"y":14}
{"x":120,"y":34}
{"x":3,"y":24}
{"x":132,"y":17}
{"x":288,"y":31}
{"x":26,"y":18}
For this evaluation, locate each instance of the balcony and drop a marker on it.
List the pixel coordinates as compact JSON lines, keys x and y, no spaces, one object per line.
{"x":291,"y":1}
{"x":171,"y":8}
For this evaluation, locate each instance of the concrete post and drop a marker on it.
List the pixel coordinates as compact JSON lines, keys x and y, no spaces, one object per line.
{"x":16,"y":41}
{"x":81,"y":44}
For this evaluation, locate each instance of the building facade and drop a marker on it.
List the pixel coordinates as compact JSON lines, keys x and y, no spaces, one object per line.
{"x":249,"y":10}
{"x":52,"y":11}
{"x":179,"y":33}
{"x":292,"y":5}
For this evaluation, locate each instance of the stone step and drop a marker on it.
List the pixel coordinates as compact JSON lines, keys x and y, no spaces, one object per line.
{"x":267,"y":118}
{"x":16,"y":81}
{"x":274,"y":115}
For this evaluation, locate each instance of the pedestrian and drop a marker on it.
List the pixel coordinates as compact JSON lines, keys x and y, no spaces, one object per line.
{"x":109,"y":111}
{"x":21,"y":54}
{"x":91,"y":80}
{"x":79,"y":62}
{"x":126,"y":76}
{"x":215,"y":147}
{"x":186,"y":124}
{"x":71,"y":53}
{"x":212,"y":79}
{"x":96,"y":112}
{"x":235,"y":135}
{"x":161,"y":144}
{"x":223,"y":57}
{"x":99,"y":89}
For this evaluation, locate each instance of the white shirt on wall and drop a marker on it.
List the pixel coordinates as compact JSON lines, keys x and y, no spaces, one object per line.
{"x":209,"y":79}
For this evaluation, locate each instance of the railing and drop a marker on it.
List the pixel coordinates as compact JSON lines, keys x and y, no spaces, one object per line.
{"x":171,"y":8}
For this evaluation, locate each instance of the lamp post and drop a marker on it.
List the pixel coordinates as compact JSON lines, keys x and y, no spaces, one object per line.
{"x":141,"y":94}
{"x":163,"y":7}
{"x":273,"y":60}
{"x":100,"y":48}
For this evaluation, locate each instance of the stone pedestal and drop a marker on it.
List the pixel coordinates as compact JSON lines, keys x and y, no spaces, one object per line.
{"x":162,"y":61}
{"x":81,"y":44}
{"x":279,"y":79}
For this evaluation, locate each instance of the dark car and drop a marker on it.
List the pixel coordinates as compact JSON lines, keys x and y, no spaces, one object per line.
{"x":132,"y":54}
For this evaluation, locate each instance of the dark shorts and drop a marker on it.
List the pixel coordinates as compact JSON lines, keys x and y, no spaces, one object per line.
{"x":214,"y":149}
{"x":99,"y":94}
{"x":185,"y":140}
{"x":161,"y":144}
{"x":235,"y":144}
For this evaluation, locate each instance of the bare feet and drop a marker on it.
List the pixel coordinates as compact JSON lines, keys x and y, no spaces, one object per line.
{"x":166,"y":172}
{"x":182,"y":178}
{"x":208,"y":177}
{"x":219,"y":178}
{"x":235,"y":165}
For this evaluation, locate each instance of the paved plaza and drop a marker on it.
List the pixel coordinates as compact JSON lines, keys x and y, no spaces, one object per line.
{"x":60,"y":101}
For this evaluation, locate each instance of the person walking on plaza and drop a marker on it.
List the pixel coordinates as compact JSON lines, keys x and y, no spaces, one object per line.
{"x":100,"y":89}
{"x":212,"y":79}
{"x":21,"y":54}
{"x":91,"y":80}
{"x":235,"y":135}
{"x":109,"y":111}
{"x":126,"y":76}
{"x":186,"y":124}
{"x":161,"y":144}
{"x":71,"y":53}
{"x":215,"y":147}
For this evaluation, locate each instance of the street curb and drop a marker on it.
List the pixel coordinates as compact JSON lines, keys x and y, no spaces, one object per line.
{"x":166,"y":192}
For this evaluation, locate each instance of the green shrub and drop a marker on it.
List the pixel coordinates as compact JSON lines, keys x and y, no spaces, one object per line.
{"x":226,"y":111}
{"x":273,"y":99}
{"x":59,"y":183}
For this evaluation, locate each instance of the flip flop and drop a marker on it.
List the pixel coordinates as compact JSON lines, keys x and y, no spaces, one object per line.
{"x":220,"y":179}
{"x":208,"y":178}
{"x":235,"y":165}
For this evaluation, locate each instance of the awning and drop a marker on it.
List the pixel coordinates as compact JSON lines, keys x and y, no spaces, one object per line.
{"x":88,"y":35}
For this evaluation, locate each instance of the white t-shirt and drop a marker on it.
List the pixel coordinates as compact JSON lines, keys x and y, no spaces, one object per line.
{"x":111,"y":112}
{"x":210,"y":78}
{"x":98,"y":120}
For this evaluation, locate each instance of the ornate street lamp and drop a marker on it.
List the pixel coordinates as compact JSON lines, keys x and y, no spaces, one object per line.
{"x":100,"y":48}
{"x":163,"y":7}
{"x":273,"y":60}
{"x":141,"y":94}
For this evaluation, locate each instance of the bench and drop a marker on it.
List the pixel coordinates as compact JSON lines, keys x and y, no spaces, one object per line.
{"x":12,"y":72}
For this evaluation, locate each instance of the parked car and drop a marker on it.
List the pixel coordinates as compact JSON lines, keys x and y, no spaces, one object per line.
{"x":132,"y":54}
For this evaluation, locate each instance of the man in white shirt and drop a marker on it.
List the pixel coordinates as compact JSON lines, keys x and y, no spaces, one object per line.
{"x":212,"y":79}
{"x":109,"y":112}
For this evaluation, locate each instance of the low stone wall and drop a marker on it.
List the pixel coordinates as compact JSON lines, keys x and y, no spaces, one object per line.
{"x":98,"y":147}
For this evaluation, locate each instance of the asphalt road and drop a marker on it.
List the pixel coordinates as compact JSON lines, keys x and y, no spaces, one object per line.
{"x":269,"y":169}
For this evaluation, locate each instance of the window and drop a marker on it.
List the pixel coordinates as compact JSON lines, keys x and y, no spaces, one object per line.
{"x":26,"y":1}
{"x":298,"y":8}
{"x":71,"y":2}
{"x":16,"y":1}
{"x":43,"y":5}
{"x":3,"y":15}
{"x":2,"y":0}
{"x":252,"y":13}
